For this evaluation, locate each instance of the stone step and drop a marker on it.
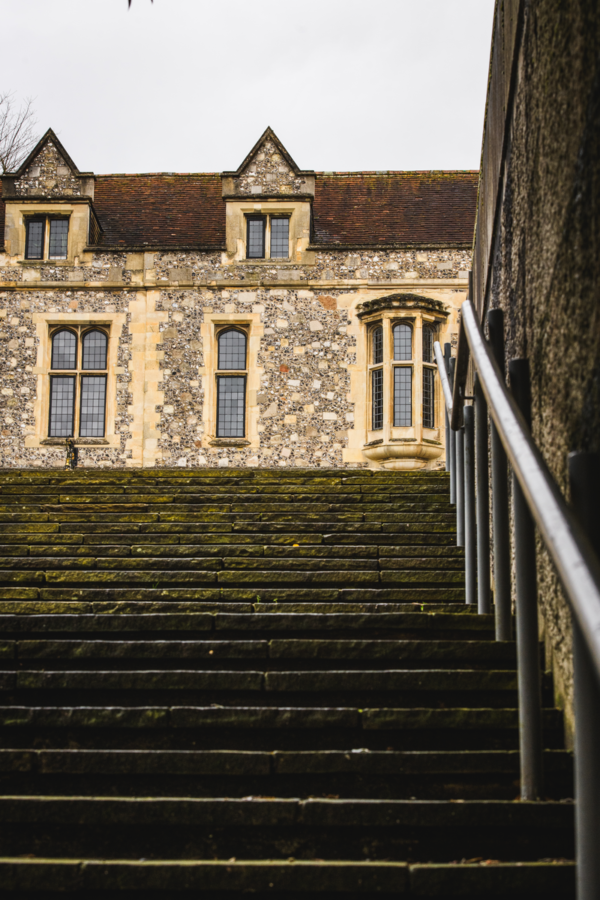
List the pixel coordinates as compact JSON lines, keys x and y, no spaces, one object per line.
{"x":423,"y":556}
{"x":466,"y":685}
{"x":517,"y":880}
{"x":262,"y":563}
{"x":185,"y":619}
{"x":225,"y":534}
{"x":199,"y":828}
{"x":388,"y":720}
{"x":273,"y":592}
{"x":357,"y":773}
{"x":429,"y":651}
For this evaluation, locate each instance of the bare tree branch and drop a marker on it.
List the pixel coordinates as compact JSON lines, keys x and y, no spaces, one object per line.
{"x":17,"y":131}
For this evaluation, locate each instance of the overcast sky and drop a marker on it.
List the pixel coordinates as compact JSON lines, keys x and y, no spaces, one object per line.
{"x":190,"y":85}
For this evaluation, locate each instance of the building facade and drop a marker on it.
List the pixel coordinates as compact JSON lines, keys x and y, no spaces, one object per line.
{"x":270,"y":316}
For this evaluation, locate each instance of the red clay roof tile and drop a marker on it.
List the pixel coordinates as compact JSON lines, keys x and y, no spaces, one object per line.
{"x":363,"y":208}
{"x":350,"y":209}
{"x":160,"y":210}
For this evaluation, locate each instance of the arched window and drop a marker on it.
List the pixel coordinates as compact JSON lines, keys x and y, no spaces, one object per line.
{"x":78,"y":401}
{"x":231,"y":389}
{"x":232,"y":349}
{"x":402,"y":342}
{"x":94,"y":350}
{"x":64,"y":350}
{"x":428,"y":378}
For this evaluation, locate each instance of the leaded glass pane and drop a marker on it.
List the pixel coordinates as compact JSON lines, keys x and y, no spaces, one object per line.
{"x":94,"y":350}
{"x":93,"y":396}
{"x":62,"y":396}
{"x":256,"y":238}
{"x":35,"y":240}
{"x":377,"y":399}
{"x":402,"y":396}
{"x":377,"y":345}
{"x":428,"y":398}
{"x":59,"y":233}
{"x":64,"y":350}
{"x":402,"y":342}
{"x":280,"y":243}
{"x":232,"y":350}
{"x":231,"y":405}
{"x":427,"y":344}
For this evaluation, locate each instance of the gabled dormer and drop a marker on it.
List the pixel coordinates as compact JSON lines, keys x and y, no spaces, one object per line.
{"x":269,"y":171}
{"x":49,"y":206}
{"x":268,"y":207}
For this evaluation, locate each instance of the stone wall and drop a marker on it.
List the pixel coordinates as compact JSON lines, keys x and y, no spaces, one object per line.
{"x":308,"y":334}
{"x":269,"y":173}
{"x":546,"y":266}
{"x":48,"y":175}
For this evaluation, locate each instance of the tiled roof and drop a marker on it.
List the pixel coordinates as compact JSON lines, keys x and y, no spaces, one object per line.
{"x":350,"y":209}
{"x":358,"y":208}
{"x":160,"y":210}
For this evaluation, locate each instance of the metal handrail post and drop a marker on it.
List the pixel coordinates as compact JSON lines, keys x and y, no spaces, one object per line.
{"x":482,"y":493}
{"x":470,"y":527}
{"x":500,"y":518}
{"x":584,"y":478}
{"x":528,"y":643}
{"x":452,"y":440}
{"x":459,"y":468}
{"x":447,"y":357}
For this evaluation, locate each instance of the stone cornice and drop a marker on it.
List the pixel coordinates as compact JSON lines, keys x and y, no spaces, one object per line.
{"x":401,"y":301}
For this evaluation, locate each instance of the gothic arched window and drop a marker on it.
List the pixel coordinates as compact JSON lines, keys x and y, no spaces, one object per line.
{"x":78,"y":401}
{"x":231,"y":389}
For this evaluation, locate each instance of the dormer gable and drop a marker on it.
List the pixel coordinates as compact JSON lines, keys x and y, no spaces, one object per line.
{"x":268,"y":171}
{"x":48,"y":173}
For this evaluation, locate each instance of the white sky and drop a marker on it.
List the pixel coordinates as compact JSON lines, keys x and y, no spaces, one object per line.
{"x":190,"y":85}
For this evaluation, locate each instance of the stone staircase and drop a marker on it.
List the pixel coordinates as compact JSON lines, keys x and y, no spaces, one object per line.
{"x":224,"y":681}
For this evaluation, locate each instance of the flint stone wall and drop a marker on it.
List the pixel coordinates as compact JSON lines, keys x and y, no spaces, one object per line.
{"x":306,"y":409}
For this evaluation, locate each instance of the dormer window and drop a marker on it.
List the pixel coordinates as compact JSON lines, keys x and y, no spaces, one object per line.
{"x":47,"y":237}
{"x":268,"y":237}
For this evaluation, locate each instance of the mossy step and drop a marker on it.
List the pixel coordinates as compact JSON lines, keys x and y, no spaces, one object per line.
{"x":315,"y":648}
{"x":253,"y":592}
{"x":187,"y":619}
{"x":464,"y":680}
{"x":269,"y":717}
{"x":397,"y":878}
{"x":242,"y":763}
{"x":187,"y":562}
{"x":259,"y":578}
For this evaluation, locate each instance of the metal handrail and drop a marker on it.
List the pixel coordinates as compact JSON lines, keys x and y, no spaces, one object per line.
{"x":536,"y":501}
{"x":439,"y":358}
{"x":565,"y":541}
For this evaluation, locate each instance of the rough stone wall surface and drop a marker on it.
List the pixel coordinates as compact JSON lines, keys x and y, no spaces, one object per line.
{"x":546,"y":262}
{"x":202,"y":267}
{"x":48,"y":175}
{"x":18,"y":351}
{"x":269,"y":173}
{"x":305,"y":401}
